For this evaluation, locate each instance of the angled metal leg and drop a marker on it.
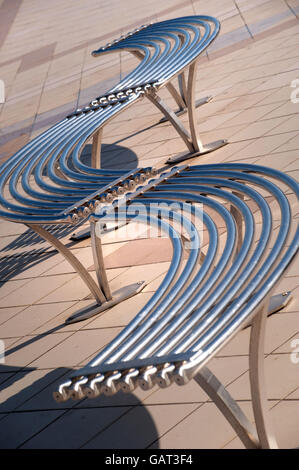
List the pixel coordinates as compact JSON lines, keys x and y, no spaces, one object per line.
{"x":182,"y":111}
{"x":172,"y":90}
{"x":96,"y":149}
{"x":99,"y":261}
{"x":198,"y":147}
{"x":185,"y":100}
{"x":177,"y":97}
{"x":110,"y":299}
{"x":95,"y":163}
{"x":257,"y":380}
{"x":79,"y":268}
{"x":183,"y":87}
{"x":228,"y":407}
{"x":173,"y":119}
{"x":262,"y":436}
{"x":103,"y":299}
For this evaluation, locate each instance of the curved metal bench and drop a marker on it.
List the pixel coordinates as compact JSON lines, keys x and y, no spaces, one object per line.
{"x":47,"y":182}
{"x":204,"y":300}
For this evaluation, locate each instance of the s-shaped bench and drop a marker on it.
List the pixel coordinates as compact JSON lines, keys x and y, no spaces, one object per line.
{"x":47,"y":183}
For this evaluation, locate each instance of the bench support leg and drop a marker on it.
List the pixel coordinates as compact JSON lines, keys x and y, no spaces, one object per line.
{"x":96,"y":148}
{"x":262,"y":435}
{"x":95,"y":163}
{"x":181,"y":111}
{"x":185,"y":99}
{"x":111,"y":298}
{"x":101,"y":291}
{"x":198,"y":147}
{"x":228,"y":407}
{"x":68,"y":255}
{"x":257,"y":380}
{"x":99,"y":262}
{"x":183,"y":87}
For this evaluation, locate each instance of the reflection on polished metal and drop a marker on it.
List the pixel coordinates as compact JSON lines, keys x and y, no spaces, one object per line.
{"x":204,"y":301}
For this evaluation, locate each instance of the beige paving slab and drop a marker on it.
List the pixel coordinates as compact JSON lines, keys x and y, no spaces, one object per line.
{"x":138,"y":273}
{"x":280,"y":161}
{"x":10,"y":228}
{"x":281,"y":379}
{"x":250,"y":114}
{"x":279,"y":80}
{"x":10,"y":113}
{"x":57,"y":322}
{"x":41,"y":397}
{"x":212,"y":430}
{"x":259,"y":129}
{"x":66,"y":287}
{"x":292,"y":144}
{"x":280,"y":329}
{"x":32,"y":318}
{"x":6,"y":288}
{"x":285,"y":420}
{"x":24,"y":350}
{"x":32,"y":264}
{"x":153,"y":286}
{"x":266,"y":144}
{"x":7,"y":313}
{"x":279,"y":95}
{"x":30,"y":291}
{"x":61,"y":266}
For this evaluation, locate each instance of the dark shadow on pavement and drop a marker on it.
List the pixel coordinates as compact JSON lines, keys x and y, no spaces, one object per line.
{"x":30,"y":417}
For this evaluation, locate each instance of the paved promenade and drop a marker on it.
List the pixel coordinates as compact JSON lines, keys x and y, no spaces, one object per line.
{"x":48,"y":71}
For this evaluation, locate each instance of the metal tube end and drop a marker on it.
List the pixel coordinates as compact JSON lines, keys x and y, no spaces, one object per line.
{"x":92,"y":389}
{"x":59,"y":397}
{"x":128,"y":382}
{"x":146,"y":380}
{"x":63,"y":392}
{"x":165,"y":377}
